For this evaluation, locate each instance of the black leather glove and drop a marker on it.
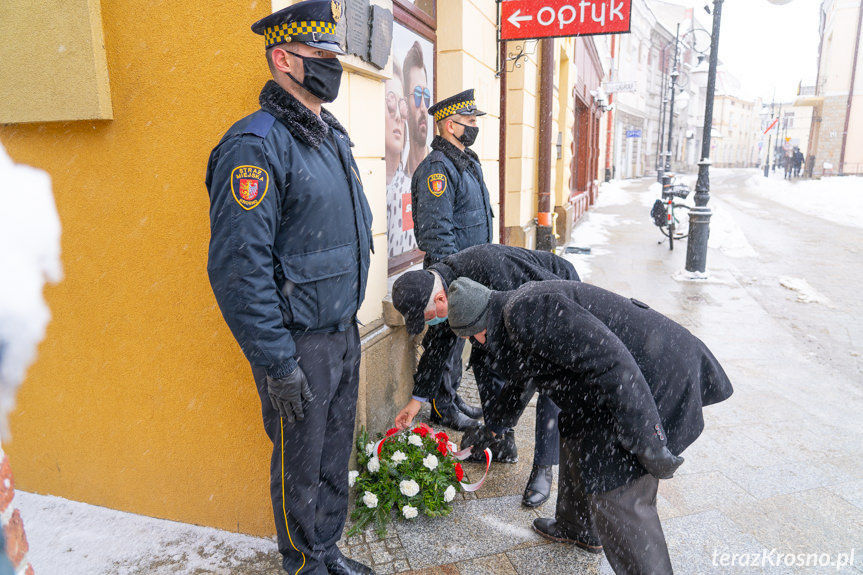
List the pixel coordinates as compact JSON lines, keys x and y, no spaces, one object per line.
{"x":288,"y":393}
{"x":660,"y":462}
{"x":479,"y":437}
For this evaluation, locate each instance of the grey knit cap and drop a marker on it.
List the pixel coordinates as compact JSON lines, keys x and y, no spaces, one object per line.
{"x":467,"y":307}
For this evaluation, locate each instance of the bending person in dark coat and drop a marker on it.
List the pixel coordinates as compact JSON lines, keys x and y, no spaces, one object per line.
{"x":420,"y":296}
{"x":630,"y":384}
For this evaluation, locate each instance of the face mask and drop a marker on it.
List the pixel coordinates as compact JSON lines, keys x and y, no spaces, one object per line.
{"x":321,"y":76}
{"x":469,"y":136}
{"x":436,"y":320}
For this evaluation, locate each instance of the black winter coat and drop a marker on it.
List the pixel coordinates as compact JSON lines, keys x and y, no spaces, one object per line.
{"x":497,"y":267}
{"x":290,"y":229}
{"x":625,"y":376}
{"x":451,"y":206}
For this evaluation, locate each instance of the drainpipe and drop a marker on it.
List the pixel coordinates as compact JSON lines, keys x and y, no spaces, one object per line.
{"x":851,"y":92}
{"x":610,"y":119}
{"x":544,"y":235}
{"x":501,"y":151}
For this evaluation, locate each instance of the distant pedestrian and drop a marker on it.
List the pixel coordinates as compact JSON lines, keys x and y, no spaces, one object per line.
{"x":797,"y":161}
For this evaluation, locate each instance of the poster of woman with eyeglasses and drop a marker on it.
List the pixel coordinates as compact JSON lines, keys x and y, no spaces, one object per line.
{"x":408,"y":130}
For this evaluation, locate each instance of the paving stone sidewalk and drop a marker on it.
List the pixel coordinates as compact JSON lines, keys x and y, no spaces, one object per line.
{"x":777,"y":473}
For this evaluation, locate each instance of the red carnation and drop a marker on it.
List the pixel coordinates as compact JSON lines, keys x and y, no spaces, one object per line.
{"x":392,"y":431}
{"x":459,"y":472}
{"x":442,"y":447}
{"x":423,"y":429}
{"x":441,"y":436}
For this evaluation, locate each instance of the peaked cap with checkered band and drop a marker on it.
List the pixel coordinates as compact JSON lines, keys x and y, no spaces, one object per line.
{"x":462,"y":103}
{"x":312,"y":22}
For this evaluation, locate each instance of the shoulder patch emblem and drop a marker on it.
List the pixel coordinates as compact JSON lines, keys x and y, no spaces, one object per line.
{"x":249,"y":185}
{"x":437,"y":184}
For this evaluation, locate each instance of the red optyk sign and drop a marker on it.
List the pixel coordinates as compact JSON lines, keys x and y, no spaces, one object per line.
{"x":521,"y":19}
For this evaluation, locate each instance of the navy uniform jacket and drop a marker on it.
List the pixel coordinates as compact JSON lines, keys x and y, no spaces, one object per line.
{"x":451,"y":206}
{"x":290,"y":229}
{"x":625,"y":376}
{"x":497,"y":267}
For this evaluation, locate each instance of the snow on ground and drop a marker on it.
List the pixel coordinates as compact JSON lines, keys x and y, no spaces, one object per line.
{"x":79,"y":539}
{"x":836,"y":199}
{"x":805,"y":292}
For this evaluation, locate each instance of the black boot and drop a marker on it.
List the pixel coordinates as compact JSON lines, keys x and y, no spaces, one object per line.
{"x":344,"y":566}
{"x":538,"y":486}
{"x":551,"y":529}
{"x":450,"y":416}
{"x":471,"y":411}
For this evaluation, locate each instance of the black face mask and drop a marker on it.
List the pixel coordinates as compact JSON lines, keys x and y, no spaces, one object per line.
{"x":321,"y":76}
{"x":469,"y":136}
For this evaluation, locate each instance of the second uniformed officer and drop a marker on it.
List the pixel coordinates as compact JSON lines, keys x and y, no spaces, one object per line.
{"x":288,"y":263}
{"x":451,"y":211}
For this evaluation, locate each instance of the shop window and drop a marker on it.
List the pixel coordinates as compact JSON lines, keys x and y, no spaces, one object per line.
{"x":409,"y":129}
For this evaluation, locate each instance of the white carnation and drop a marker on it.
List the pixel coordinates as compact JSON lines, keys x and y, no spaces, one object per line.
{"x":352,"y":477}
{"x":370,"y":448}
{"x":409,"y":487}
{"x":398,"y":457}
{"x":449,"y":494}
{"x":374,"y":464}
{"x":370,"y":499}
{"x":430,"y":461}
{"x":415,"y":440}
{"x":409,"y":512}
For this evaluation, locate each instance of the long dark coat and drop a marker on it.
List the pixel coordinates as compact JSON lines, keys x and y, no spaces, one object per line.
{"x":625,"y":376}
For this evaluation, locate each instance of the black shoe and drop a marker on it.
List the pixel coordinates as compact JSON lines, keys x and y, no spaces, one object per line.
{"x":503,"y":450}
{"x":551,"y":529}
{"x":346,"y":566}
{"x":469,"y":410}
{"x":538,"y":486}
{"x":451,"y":417}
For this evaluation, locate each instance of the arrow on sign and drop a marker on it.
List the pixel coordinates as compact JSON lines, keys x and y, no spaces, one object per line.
{"x":515,"y":19}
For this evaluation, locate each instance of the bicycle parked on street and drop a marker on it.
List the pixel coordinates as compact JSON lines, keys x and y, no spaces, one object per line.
{"x":668,"y":214}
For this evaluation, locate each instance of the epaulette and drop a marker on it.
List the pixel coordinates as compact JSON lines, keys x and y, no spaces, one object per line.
{"x":260,"y":124}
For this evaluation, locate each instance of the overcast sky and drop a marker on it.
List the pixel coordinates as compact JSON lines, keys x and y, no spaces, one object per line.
{"x":766,"y":46}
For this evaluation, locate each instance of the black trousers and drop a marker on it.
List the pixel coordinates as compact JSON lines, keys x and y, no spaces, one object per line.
{"x":309,"y":465}
{"x":546,"y":449}
{"x":450,"y":378}
{"x":624,"y":520}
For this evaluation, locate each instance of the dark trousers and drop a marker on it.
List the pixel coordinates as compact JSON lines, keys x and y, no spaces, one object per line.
{"x":624,"y":520}
{"x":546,"y":449}
{"x":309,"y":465}
{"x":450,"y":379}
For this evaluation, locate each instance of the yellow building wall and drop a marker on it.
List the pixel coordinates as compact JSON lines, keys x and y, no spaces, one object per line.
{"x":140,"y":399}
{"x":52,"y":62}
{"x":522,"y":102}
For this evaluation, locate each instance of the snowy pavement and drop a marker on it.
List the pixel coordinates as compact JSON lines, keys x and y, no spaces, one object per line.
{"x":775,"y":483}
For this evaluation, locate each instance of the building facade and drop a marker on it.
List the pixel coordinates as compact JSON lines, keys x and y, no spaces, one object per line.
{"x":835,"y":138}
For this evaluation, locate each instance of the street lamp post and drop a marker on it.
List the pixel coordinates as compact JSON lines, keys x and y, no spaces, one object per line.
{"x":666,"y":175}
{"x":699,"y":216}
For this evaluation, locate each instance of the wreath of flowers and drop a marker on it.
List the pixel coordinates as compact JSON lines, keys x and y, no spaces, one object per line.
{"x":412,"y":472}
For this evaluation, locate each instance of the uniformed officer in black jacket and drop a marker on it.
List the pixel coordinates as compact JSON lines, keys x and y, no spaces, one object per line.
{"x":288,"y":263}
{"x":419,"y":295}
{"x":631,"y":385}
{"x":451,"y":211}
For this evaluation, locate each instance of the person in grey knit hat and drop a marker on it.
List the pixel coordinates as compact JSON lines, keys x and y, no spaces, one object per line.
{"x":468,"y":307}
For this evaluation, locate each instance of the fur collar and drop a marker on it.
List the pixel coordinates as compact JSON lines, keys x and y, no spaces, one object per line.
{"x":299,"y":120}
{"x":459,"y":158}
